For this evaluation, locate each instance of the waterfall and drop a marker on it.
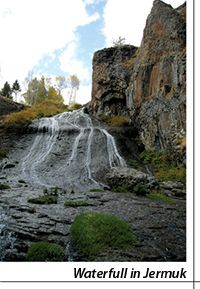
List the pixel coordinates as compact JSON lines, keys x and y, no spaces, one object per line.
{"x":68,"y":151}
{"x":7,"y":239}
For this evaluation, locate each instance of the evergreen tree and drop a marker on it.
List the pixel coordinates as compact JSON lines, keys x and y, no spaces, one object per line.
{"x":16,"y":89}
{"x":6,"y":90}
{"x":118,"y":42}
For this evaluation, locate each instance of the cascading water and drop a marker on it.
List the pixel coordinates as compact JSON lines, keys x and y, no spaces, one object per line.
{"x":69,"y":151}
{"x":7,"y":239}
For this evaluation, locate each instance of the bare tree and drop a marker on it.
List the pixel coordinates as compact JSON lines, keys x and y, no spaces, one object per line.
{"x":74,"y":86}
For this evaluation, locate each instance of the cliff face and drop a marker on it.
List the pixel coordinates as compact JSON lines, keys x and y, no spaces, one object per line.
{"x":111,"y":79}
{"x":147,"y":83}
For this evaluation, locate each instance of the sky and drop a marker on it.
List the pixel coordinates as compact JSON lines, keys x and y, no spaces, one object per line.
{"x":59,"y":37}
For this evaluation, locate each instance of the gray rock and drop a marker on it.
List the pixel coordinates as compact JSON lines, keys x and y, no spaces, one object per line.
{"x":129,"y":178}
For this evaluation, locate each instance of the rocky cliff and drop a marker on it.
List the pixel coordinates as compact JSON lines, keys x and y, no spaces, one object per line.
{"x":147,"y":84}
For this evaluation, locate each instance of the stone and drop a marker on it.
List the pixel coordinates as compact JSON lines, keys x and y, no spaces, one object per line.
{"x":128,"y":178}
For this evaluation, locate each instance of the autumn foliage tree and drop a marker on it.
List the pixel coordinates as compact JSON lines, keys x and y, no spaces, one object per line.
{"x":42,"y":91}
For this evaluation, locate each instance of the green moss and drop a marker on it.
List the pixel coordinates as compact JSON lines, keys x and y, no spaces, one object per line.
{"x":4,"y":187}
{"x":44,"y":199}
{"x":93,"y":233}
{"x":159,"y":197}
{"x":97,"y":190}
{"x":76,"y":203}
{"x":3,"y":154}
{"x":45,"y":251}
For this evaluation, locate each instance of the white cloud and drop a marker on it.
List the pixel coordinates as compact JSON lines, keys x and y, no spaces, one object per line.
{"x":127,"y":18}
{"x":31,"y":29}
{"x":71,"y":65}
{"x":84,"y":94}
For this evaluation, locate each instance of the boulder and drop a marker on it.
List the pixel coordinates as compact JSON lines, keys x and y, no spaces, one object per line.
{"x":128,"y":178}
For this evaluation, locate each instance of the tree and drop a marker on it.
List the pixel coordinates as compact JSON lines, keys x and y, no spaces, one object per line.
{"x":74,"y":85}
{"x":16,"y":89}
{"x":41,"y":91}
{"x":61,"y":83}
{"x":119,"y":42}
{"x":30,"y":95}
{"x":54,"y":97}
{"x":6,"y":90}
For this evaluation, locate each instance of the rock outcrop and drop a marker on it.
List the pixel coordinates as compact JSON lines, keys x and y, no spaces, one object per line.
{"x":148,"y":83}
{"x":7,"y":106}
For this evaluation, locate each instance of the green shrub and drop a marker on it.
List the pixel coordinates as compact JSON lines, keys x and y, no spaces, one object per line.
{"x":45,"y":251}
{"x":160,"y":197}
{"x":93,"y":233}
{"x":75,"y":106}
{"x":140,"y":189}
{"x":164,"y":168}
{"x":44,"y":199}
{"x":76,"y":203}
{"x":4,"y":187}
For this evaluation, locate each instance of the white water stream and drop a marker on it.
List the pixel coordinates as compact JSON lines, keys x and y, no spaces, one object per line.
{"x":68,"y":151}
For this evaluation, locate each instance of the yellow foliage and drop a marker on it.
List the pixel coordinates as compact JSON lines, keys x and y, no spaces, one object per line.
{"x":25,"y":116}
{"x":119,"y":120}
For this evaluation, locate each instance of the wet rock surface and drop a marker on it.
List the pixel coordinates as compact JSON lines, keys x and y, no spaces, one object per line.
{"x":40,"y":161}
{"x":159,"y":227}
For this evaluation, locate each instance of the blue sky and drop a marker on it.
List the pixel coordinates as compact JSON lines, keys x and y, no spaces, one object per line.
{"x":59,"y":37}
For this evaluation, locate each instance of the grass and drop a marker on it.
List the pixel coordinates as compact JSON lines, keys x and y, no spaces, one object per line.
{"x":25,"y":116}
{"x":159,"y":197}
{"x":4,"y":187}
{"x":44,"y":199}
{"x":93,"y":233}
{"x":164,"y":168}
{"x":76,"y":203}
{"x":171,"y":173}
{"x":45,"y":251}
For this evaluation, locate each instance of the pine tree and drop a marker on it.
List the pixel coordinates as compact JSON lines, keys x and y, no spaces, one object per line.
{"x":16,"y":89}
{"x":6,"y":90}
